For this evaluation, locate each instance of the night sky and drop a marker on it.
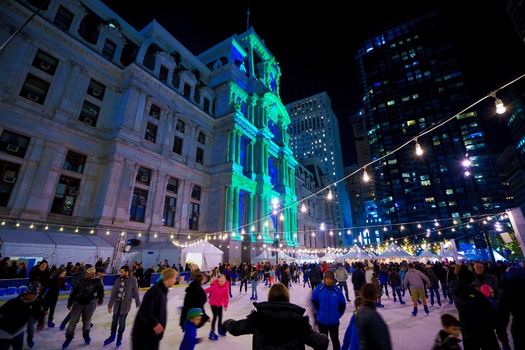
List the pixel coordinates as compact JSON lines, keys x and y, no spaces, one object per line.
{"x":315,"y":44}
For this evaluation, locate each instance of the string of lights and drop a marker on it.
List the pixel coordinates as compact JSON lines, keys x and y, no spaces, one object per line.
{"x":193,"y":237}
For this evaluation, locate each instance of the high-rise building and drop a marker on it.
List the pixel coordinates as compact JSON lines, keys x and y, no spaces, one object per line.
{"x":411,"y":80}
{"x":314,"y":132}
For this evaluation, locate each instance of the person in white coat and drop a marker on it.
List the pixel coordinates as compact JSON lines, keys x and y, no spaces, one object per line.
{"x":416,"y":279}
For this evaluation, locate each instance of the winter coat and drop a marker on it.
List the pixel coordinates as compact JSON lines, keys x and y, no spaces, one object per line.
{"x":15,"y":313}
{"x":315,"y":274}
{"x":278,"y":325}
{"x":476,"y":314}
{"x":190,"y":336}
{"x":372,"y":329}
{"x":445,"y":341}
{"x":329,"y":304}
{"x":492,"y":281}
{"x":56,"y":284}
{"x":351,"y":337}
{"x":219,"y":295}
{"x":394,"y":279}
{"x":153,"y":310}
{"x":85,"y":291}
{"x":416,"y":279}
{"x":512,"y":302}
{"x":195,"y":297}
{"x":341,"y":275}
{"x":131,"y":290}
{"x":358,"y":279}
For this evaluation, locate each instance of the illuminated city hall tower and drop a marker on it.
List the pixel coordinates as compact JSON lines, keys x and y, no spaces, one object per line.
{"x":252,"y":134}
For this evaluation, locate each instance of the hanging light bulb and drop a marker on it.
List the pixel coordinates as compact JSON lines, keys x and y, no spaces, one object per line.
{"x":419,"y":150}
{"x":155,"y":235}
{"x":402,"y":227}
{"x":140,"y":234}
{"x":266,"y":223}
{"x":281,"y":217}
{"x":61,"y":228}
{"x":92,"y":231}
{"x":322,"y":228}
{"x":331,"y":233}
{"x":76,"y":230}
{"x":303,"y":208}
{"x":47,"y":227}
{"x":366,"y":178}
{"x":330,"y":195}
{"x":500,"y":107}
{"x":17,"y":224}
{"x":31,"y":226}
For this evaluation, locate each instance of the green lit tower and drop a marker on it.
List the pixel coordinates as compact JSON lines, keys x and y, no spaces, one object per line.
{"x":253,"y":168}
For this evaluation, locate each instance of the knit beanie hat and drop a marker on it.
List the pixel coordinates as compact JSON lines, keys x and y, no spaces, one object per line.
{"x":194,"y":313}
{"x":486,"y":290}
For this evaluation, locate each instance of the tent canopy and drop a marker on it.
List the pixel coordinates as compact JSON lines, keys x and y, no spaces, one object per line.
{"x":356,"y":253}
{"x":152,"y":253}
{"x":394,"y":251}
{"x":204,"y":254}
{"x":56,"y":248}
{"x":427,"y":254}
{"x":264,"y":256}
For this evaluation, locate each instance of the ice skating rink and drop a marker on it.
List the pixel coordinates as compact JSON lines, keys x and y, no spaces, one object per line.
{"x":407,"y":332}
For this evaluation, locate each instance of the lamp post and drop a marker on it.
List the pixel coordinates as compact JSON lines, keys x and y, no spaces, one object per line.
{"x":467,"y":164}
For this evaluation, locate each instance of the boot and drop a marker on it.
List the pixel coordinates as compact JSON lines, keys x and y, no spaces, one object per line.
{"x":213,"y":336}
{"x":414,"y":313}
{"x":110,"y":340}
{"x":119,"y":340}
{"x":221,"y":331}
{"x":67,"y":342}
{"x":401,"y":301}
{"x":86,"y":337}
{"x":426,"y":309}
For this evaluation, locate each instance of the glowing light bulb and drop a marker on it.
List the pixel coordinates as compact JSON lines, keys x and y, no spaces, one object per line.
{"x":366,"y":178}
{"x":419,"y":150}
{"x":500,"y":107}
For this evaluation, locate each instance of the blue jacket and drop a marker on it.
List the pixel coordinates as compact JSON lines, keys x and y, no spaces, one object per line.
{"x":329,"y":304}
{"x":351,"y":338}
{"x":190,"y":336}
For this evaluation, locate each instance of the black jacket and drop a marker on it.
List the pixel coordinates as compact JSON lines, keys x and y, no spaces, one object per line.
{"x":278,"y":325}
{"x":195,"y":297}
{"x":85,"y":291}
{"x":476,"y":314}
{"x":15,"y":313}
{"x":372,"y":329}
{"x":358,"y":279}
{"x":153,"y":310}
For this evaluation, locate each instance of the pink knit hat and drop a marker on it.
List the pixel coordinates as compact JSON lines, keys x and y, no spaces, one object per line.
{"x":486,"y":290}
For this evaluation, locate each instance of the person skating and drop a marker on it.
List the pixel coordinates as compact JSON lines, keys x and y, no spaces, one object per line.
{"x":219,"y":292}
{"x":416,"y":279}
{"x":123,"y":292}
{"x":88,"y":292}
{"x":193,"y":318}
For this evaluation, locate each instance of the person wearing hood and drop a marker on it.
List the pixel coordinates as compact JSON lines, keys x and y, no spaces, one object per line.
{"x":278,"y":324}
{"x":329,"y":305}
{"x":14,"y":315}
{"x":219,"y":292}
{"x":195,"y":297}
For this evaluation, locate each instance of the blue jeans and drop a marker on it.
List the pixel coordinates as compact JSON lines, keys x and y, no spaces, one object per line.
{"x":434,"y":290}
{"x":121,"y":321}
{"x":254,"y":288}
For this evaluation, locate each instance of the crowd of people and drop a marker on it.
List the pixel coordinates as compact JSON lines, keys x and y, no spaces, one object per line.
{"x":486,"y":296}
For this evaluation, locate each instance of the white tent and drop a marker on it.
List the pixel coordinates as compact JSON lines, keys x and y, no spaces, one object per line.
{"x":28,"y":244}
{"x":285,"y":257}
{"x":393,"y":251}
{"x":264,"y":256}
{"x":56,"y":248}
{"x":427,"y":255}
{"x":356,"y":253}
{"x":328,"y":257}
{"x":79,"y":248}
{"x":204,"y":254}
{"x":152,"y":253}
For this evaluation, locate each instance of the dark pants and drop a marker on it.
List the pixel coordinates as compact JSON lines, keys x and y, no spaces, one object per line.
{"x":334,"y":334}
{"x":217,"y":316}
{"x":119,"y":320}
{"x":486,"y":342}
{"x":244,"y":282}
{"x":16,"y":342}
{"x":396,"y":290}
{"x":344,"y":286}
{"x":144,"y":344}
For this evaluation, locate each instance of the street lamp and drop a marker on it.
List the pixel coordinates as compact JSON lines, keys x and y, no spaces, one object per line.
{"x":466,"y":165}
